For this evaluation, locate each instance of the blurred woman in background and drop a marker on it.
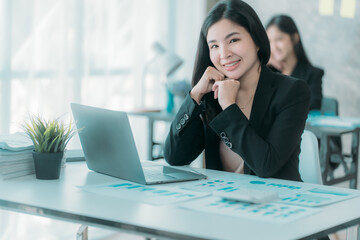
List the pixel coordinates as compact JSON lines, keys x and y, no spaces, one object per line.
{"x":288,"y":56}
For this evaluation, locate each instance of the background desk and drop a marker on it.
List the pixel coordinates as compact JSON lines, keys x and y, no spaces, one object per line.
{"x":326,"y":127}
{"x":152,"y":117}
{"x":62,"y":199}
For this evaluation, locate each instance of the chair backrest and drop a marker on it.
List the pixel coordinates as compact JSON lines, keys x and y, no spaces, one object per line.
{"x":329,"y":106}
{"x":309,"y":163}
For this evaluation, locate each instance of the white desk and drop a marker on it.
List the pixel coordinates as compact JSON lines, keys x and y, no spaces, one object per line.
{"x":326,"y":127}
{"x":62,"y":199}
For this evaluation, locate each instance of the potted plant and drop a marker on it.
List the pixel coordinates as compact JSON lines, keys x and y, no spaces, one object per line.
{"x":50,"y":138}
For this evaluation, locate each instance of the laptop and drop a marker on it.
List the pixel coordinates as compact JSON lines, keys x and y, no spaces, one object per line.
{"x":109,"y":148}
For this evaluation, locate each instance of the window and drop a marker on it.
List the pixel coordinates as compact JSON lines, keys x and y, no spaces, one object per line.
{"x":88,"y":51}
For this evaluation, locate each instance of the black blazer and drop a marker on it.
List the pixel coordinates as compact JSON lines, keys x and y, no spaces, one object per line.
{"x":269,"y":142}
{"x":313,"y":77}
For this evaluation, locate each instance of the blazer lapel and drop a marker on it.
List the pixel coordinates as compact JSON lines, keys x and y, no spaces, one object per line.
{"x":262,"y":97}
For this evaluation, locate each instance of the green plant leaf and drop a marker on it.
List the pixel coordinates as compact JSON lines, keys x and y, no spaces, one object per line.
{"x":49,"y":135}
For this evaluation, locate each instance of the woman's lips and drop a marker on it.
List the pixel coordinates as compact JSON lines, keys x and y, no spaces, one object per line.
{"x":232,"y":65}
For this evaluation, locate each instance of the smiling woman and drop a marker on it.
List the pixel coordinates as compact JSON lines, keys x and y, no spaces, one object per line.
{"x":247,"y":118}
{"x":234,"y":53}
{"x":231,"y":45}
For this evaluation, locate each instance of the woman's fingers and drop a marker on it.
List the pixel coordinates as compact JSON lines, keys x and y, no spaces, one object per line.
{"x":216,"y":75}
{"x":206,"y":83}
{"x":226,"y":91}
{"x":215,"y":89}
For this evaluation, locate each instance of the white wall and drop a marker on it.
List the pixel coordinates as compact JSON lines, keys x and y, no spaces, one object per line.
{"x":331,"y":42}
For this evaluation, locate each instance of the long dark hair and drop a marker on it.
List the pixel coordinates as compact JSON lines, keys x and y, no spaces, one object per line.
{"x":242,"y":14}
{"x":287,"y":25}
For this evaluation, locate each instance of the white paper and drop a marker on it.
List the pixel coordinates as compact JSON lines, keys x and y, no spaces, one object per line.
{"x":15,"y":142}
{"x":269,"y":212}
{"x":294,"y":193}
{"x":318,"y":197}
{"x":147,"y":194}
{"x":347,"y":8}
{"x":233,"y":184}
{"x":326,"y":7}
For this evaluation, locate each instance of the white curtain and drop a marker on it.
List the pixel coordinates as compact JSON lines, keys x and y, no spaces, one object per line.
{"x":86,"y":51}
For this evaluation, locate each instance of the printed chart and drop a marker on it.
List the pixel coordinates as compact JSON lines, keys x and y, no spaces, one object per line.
{"x":317,"y":197}
{"x":265,"y":185}
{"x":305,"y":195}
{"x":270,"y":212}
{"x":148,"y":194}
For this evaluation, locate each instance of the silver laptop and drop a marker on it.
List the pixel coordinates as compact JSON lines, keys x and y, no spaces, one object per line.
{"x":109,"y":148}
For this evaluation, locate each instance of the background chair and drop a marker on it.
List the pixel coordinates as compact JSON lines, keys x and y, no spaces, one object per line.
{"x":309,"y":163}
{"x":329,"y":106}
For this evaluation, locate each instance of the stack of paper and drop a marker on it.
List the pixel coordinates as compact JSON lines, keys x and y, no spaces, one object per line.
{"x":16,"y":156}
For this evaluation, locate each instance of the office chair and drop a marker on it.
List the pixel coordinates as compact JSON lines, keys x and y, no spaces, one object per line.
{"x":329,"y":106}
{"x":309,"y":162}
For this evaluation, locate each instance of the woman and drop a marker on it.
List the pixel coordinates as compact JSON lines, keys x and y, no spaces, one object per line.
{"x":246,"y":117}
{"x":288,"y":56}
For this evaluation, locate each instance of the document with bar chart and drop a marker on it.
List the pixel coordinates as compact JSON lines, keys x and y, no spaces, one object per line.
{"x":269,"y":212}
{"x":289,"y":192}
{"x":147,"y":194}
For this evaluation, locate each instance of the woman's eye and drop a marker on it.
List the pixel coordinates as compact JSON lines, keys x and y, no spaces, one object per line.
{"x":213,"y":46}
{"x":234,"y":40}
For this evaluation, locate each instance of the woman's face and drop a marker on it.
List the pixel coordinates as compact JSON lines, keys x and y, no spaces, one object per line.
{"x":232,"y":49}
{"x":282,"y":46}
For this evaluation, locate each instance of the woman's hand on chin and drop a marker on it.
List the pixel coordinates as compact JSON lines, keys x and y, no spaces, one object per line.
{"x":226,"y":92}
{"x":205,"y":84}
